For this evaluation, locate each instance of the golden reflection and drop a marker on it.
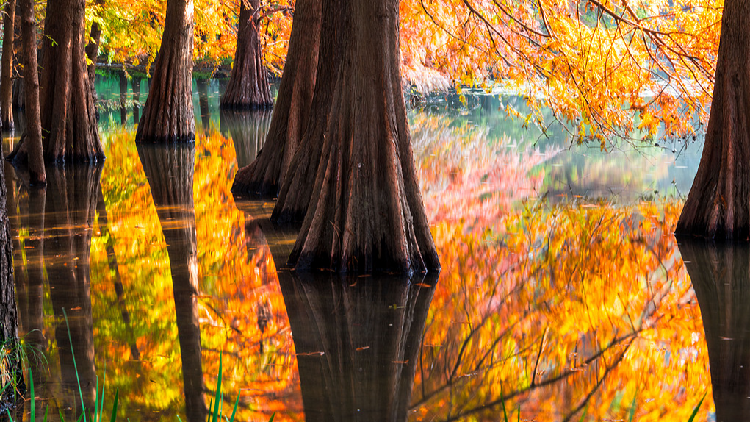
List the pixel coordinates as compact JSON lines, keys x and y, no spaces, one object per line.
{"x":552,"y":312}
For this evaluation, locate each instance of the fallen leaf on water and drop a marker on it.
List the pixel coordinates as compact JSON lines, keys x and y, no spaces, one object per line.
{"x":401,"y":361}
{"x":359,"y":349}
{"x":311,"y":354}
{"x":77,"y":308}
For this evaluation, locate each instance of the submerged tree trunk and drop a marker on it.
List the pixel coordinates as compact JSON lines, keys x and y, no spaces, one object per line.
{"x":290,"y":114}
{"x":29,"y":148}
{"x":357,"y":344}
{"x":6,"y":81}
{"x":355,"y":167}
{"x":248,"y":83}
{"x":123,"y":98}
{"x":8,"y":311}
{"x":169,"y":171}
{"x":718,"y":205}
{"x":168,"y":113}
{"x":720,"y":274}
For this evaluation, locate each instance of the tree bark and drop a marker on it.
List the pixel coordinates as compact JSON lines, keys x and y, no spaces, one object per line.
{"x":6,"y":81}
{"x":357,"y":344}
{"x":169,"y":171}
{"x":29,"y":149}
{"x":355,"y":168}
{"x":168,"y":113}
{"x":68,"y":114}
{"x":717,"y":206}
{"x":248,"y":82}
{"x":720,"y":274}
{"x":290,"y":114}
{"x":8,"y":310}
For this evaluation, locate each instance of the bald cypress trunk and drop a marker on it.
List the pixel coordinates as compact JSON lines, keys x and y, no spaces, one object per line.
{"x":6,"y":81}
{"x":290,"y":114}
{"x":718,"y":205}
{"x":168,"y":113}
{"x":353,"y":177}
{"x":248,"y":83}
{"x":8,"y":310}
{"x":68,"y":115}
{"x":29,"y":148}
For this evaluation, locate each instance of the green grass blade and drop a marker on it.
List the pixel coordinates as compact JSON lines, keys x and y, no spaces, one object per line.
{"x":46,"y":414}
{"x":33,"y":398}
{"x":236,"y":402}
{"x":695,"y":411}
{"x":217,"y":400}
{"x":114,"y":406}
{"x":585,"y":410}
{"x":80,"y":392}
{"x":96,"y":400}
{"x":10,"y":418}
{"x":62,"y":419}
{"x":272,"y":416}
{"x":632,"y":407}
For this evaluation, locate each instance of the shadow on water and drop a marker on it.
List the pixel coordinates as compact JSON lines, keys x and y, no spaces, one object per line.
{"x":720,"y":274}
{"x":357,"y":341}
{"x":169,"y":170}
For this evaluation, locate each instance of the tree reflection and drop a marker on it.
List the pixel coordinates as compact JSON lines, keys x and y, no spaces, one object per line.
{"x":720,"y":274}
{"x":357,"y":342}
{"x":248,"y":132}
{"x":169,"y":170}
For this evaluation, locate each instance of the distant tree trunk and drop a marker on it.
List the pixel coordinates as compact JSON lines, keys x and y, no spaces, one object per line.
{"x":290,"y":114}
{"x":92,"y":48}
{"x":718,"y":205}
{"x":248,"y":83}
{"x":168,"y":113}
{"x":202,"y":85}
{"x":247,"y":129}
{"x":123,"y":98}
{"x":29,"y":149}
{"x":135,"y":83}
{"x":357,"y":344}
{"x":8,"y":310}
{"x":169,"y":171}
{"x":720,"y":274}
{"x":6,"y":81}
{"x":356,"y":161}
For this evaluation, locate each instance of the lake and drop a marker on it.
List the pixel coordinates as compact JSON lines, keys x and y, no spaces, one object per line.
{"x":563,"y":296}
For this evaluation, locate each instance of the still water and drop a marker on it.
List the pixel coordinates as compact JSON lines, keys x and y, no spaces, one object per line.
{"x":563,"y":295}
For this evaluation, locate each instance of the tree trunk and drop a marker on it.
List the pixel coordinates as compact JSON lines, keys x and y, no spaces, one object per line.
{"x":29,"y":149}
{"x":6,"y":81}
{"x":290,"y":114}
{"x":8,"y":310}
{"x":357,"y":344}
{"x":67,"y":102}
{"x":248,"y":83}
{"x":720,"y":274}
{"x":123,"y":98}
{"x":202,"y":85}
{"x":169,"y":171}
{"x":135,"y":83}
{"x":717,"y":206}
{"x":92,"y":51}
{"x":168,"y":113}
{"x":247,"y":129}
{"x":356,"y":161}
